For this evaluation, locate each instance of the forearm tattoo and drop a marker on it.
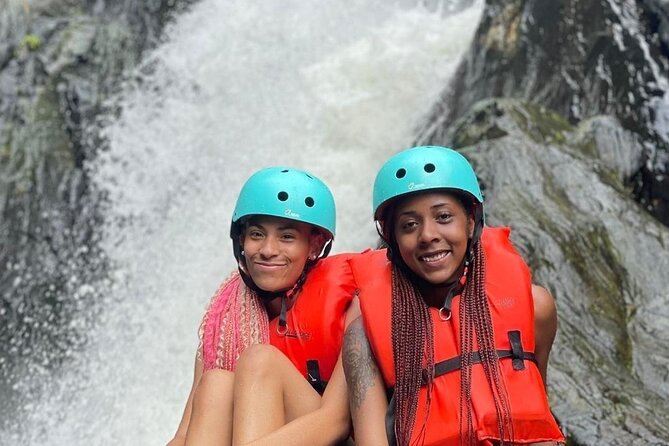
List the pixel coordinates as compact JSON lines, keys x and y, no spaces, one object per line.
{"x":359,"y":363}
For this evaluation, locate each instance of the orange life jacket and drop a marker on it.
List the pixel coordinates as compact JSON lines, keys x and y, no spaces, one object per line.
{"x":315,"y":323}
{"x":508,"y":285}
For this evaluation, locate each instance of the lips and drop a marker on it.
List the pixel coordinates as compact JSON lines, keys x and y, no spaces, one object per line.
{"x":269,"y":265}
{"x":434,"y":257}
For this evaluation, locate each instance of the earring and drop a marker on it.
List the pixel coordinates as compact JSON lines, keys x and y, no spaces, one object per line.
{"x":242,"y":253}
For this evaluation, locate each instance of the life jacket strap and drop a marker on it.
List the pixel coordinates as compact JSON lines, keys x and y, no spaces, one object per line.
{"x":516,"y":354}
{"x":314,"y":376}
{"x":390,"y":421}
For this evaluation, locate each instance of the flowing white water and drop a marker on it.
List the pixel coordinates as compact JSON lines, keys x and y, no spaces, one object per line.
{"x":237,"y":86}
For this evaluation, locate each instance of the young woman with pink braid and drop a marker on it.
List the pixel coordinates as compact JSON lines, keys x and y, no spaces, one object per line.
{"x":268,"y":369}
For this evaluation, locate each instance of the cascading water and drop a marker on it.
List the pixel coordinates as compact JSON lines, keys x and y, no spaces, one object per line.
{"x":237,"y":86}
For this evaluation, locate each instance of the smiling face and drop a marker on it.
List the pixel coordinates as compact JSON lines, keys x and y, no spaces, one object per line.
{"x":276,"y":250}
{"x":432,"y":230}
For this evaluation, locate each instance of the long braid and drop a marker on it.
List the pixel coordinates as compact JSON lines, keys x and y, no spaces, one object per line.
{"x":234,"y":320}
{"x":475,"y":318}
{"x":413,"y":343}
{"x":467,"y":437}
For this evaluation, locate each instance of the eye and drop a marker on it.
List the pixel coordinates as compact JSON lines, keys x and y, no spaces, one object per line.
{"x":288,"y":236}
{"x":408,"y":225}
{"x":444,"y":217}
{"x":254,"y":234}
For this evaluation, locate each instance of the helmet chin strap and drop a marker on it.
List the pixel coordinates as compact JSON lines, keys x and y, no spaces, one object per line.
{"x":263,"y":294}
{"x":452,"y":288}
{"x":269,"y":296}
{"x":286,"y":293}
{"x":456,"y":287}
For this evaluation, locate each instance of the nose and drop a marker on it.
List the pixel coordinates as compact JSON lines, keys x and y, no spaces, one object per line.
{"x":269,"y":247}
{"x":429,"y":232}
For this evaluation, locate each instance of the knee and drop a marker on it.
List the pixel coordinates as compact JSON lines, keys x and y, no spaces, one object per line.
{"x":215,"y":388}
{"x":258,"y":361}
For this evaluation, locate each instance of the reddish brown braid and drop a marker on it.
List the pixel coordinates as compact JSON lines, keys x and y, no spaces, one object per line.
{"x":413,"y":342}
{"x":475,"y":319}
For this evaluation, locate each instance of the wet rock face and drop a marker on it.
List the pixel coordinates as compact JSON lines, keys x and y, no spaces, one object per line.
{"x":580,"y":58}
{"x":561,"y":187}
{"x":572,"y":159}
{"x":656,"y":13}
{"x":59,"y":61}
{"x":572,"y":164}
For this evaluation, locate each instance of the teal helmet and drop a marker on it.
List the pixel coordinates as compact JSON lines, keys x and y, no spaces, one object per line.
{"x":421,"y":169}
{"x":287,"y":193}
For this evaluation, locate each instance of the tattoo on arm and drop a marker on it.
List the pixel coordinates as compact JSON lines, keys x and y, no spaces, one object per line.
{"x":359,"y":364}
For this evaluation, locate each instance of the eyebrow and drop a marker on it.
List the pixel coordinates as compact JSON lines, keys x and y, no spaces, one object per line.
{"x":433,"y":207}
{"x":285,"y":227}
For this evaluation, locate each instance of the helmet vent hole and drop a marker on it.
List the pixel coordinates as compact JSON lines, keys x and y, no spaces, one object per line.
{"x":309,"y":202}
{"x":285,"y":171}
{"x":309,"y":176}
{"x":429,"y":168}
{"x":401,"y":173}
{"x":282,"y":196}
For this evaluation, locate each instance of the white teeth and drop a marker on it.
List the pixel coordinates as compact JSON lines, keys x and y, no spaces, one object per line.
{"x":435,"y":257}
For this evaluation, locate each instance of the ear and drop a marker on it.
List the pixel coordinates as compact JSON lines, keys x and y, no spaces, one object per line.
{"x":242,"y":227}
{"x":242,"y":236}
{"x":471,"y":224}
{"x":316,"y":243}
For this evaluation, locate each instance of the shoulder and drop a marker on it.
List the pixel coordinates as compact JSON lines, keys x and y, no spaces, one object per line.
{"x":544,"y":303}
{"x":353,"y":311}
{"x":330,"y":266}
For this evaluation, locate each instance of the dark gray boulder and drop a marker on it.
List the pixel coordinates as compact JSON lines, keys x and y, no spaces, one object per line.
{"x":561,"y":187}
{"x":574,"y":158}
{"x":580,"y":58}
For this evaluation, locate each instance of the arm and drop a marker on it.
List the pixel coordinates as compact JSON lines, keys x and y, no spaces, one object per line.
{"x":366,"y":388}
{"x":545,"y":326}
{"x":180,"y":436}
{"x":330,"y":422}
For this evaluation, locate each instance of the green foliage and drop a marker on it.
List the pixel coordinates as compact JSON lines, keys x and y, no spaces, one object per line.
{"x":540,"y":124}
{"x":31,"y":41}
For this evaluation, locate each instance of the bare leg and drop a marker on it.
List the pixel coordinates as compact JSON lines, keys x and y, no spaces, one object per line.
{"x":211,"y":418}
{"x":269,"y":392}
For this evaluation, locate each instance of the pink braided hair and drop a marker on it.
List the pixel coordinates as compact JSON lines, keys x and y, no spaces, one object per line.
{"x":234,"y":320}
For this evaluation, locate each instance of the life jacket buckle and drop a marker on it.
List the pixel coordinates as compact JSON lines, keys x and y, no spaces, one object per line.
{"x":517,"y":352}
{"x":281,"y":329}
{"x":445,"y":314}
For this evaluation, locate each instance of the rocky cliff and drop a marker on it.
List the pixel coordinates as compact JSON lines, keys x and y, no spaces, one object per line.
{"x":562,"y":108}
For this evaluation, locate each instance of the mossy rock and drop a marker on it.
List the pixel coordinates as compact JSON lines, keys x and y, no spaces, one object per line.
{"x":31,"y":42}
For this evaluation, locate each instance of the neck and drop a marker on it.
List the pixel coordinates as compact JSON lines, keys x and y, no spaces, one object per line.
{"x":273,"y":306}
{"x":434,"y":295}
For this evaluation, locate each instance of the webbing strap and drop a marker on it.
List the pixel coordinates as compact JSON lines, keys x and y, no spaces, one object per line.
{"x":452,"y":364}
{"x":314,"y":376}
{"x":390,"y":421}
{"x":517,"y":354}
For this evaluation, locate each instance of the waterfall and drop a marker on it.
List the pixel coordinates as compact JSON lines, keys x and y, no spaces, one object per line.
{"x":236,"y":86}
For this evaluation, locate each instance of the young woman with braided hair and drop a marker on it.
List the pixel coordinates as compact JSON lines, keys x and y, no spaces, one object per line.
{"x":268,"y":369}
{"x":452,"y":345}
